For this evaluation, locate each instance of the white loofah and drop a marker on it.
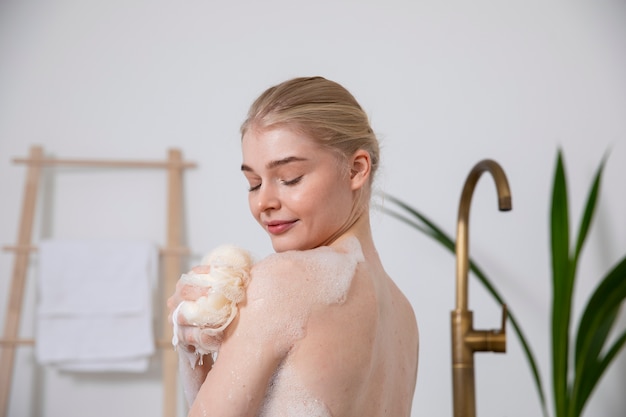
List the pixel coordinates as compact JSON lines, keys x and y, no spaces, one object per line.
{"x":226,"y":282}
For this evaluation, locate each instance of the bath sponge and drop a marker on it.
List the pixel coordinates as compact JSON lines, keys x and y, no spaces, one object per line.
{"x":225,"y":287}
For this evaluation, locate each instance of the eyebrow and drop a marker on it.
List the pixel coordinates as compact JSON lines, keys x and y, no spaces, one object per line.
{"x":276,"y":163}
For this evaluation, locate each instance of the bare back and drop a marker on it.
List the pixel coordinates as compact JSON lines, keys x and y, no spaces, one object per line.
{"x":360,"y":358}
{"x":350,"y":343}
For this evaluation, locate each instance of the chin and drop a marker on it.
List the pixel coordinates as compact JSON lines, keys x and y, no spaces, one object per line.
{"x":281,"y":244}
{"x":281,"y":247}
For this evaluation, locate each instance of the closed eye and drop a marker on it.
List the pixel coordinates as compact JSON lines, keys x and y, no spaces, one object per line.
{"x":293,"y":181}
{"x":254,"y":187}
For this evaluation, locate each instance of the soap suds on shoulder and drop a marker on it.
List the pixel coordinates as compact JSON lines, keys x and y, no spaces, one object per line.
{"x":290,"y":284}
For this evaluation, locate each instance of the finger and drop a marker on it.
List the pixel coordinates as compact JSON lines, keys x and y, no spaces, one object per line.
{"x":189,"y":336}
{"x":201,"y":269}
{"x":188,"y":292}
{"x":172,"y":302}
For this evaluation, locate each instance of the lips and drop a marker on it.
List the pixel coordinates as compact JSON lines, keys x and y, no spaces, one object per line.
{"x":278,"y":227}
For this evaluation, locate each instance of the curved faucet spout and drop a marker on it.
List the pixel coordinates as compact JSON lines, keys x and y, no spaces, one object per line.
{"x":462,"y":251}
{"x":465,"y":339}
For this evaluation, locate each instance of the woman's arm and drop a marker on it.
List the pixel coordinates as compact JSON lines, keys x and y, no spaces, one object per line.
{"x":192,"y":374}
{"x":239,"y":379}
{"x":270,"y":320}
{"x":192,"y":368}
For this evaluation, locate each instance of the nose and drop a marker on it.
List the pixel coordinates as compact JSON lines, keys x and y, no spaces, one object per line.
{"x":267,"y":198}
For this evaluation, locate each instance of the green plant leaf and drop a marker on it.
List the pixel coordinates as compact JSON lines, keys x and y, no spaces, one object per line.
{"x":562,"y":285}
{"x":585,"y":223}
{"x":600,"y":313}
{"x":583,"y":231}
{"x":429,"y":228}
{"x":597,"y":371}
{"x":595,"y":326}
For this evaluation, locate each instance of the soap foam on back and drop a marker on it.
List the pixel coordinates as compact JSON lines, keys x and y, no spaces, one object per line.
{"x":287,"y":397}
{"x":294,"y":282}
{"x":288,"y":286}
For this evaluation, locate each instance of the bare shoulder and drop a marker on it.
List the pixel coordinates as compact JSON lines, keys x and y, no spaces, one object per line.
{"x":286,"y":287}
{"x":321,"y":275}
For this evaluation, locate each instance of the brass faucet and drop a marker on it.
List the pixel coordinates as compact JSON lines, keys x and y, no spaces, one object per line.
{"x":466,"y":340}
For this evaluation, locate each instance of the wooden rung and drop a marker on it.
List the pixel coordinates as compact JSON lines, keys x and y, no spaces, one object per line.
{"x":13,"y":342}
{"x":160,"y":343}
{"x":19,"y":248}
{"x":105,"y":163}
{"x":167,"y":251}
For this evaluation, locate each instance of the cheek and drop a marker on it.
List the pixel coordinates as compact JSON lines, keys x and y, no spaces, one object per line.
{"x":301,"y":198}
{"x":305,"y":201}
{"x":318,"y":199}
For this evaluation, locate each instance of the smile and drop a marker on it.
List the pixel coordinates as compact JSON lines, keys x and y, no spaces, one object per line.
{"x":279,"y":227}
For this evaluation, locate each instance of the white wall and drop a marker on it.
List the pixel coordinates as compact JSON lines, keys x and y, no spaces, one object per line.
{"x":446,"y":84}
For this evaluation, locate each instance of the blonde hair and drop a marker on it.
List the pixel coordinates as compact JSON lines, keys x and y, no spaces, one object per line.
{"x":319,"y":108}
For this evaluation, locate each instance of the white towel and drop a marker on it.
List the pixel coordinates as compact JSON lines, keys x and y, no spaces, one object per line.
{"x":95,"y":305}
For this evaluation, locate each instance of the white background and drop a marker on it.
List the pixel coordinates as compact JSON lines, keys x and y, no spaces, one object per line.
{"x":445,"y":83}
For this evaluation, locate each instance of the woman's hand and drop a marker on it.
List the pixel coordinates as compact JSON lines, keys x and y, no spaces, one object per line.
{"x":187,"y":334}
{"x":193,"y":367}
{"x":187,"y":292}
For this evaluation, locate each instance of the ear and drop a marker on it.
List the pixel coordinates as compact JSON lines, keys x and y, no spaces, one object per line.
{"x":360,"y":169}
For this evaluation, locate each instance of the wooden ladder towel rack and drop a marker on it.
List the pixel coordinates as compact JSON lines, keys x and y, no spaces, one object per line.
{"x":172,"y":254}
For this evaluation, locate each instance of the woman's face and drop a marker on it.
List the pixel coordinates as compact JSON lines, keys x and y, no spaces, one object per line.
{"x":299,"y":193}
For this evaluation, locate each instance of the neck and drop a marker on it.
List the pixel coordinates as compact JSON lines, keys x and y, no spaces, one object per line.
{"x":359,"y":228}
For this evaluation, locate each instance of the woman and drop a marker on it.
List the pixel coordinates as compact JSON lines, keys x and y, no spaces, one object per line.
{"x":323,"y":330}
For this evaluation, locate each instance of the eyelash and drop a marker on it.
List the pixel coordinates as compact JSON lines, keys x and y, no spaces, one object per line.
{"x":284,"y":182}
{"x":293,"y":181}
